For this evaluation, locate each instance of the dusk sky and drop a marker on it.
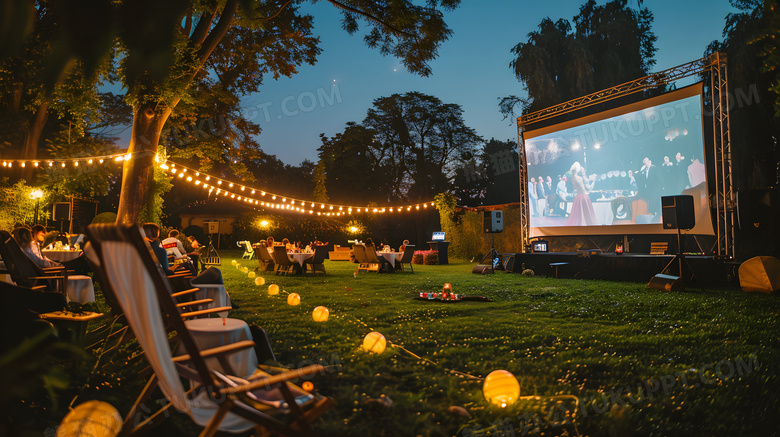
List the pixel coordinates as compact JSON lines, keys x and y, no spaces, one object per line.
{"x":472,"y":68}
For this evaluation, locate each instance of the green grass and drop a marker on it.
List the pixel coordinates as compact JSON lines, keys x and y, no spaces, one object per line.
{"x":587,"y":339}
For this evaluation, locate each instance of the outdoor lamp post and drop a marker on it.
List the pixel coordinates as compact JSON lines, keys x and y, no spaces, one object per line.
{"x":36,"y":194}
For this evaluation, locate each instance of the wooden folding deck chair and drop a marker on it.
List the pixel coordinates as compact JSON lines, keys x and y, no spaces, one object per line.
{"x":406,"y":258}
{"x":25,"y":272}
{"x":363,"y":263}
{"x":217,"y":400}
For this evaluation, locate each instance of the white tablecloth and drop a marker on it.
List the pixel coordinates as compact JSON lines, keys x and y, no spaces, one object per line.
{"x":209,"y":333}
{"x":61,"y":255}
{"x":391,"y":257}
{"x":215,"y":292}
{"x":80,"y":289}
{"x":299,"y":258}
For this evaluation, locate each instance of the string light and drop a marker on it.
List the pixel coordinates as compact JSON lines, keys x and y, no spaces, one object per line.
{"x":74,"y":162}
{"x":283,"y":202}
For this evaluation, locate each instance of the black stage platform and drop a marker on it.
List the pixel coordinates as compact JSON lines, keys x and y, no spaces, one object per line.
{"x":624,"y":267}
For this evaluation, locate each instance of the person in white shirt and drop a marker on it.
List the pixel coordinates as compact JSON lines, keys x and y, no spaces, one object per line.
{"x":173,"y":242}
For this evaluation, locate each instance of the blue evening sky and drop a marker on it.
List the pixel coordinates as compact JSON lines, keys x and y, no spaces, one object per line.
{"x":471,"y":70}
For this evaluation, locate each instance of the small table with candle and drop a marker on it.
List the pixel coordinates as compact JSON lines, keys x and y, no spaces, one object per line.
{"x":214,"y":332}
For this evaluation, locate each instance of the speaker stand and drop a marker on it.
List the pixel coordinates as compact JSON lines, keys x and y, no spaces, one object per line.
{"x":491,"y":255}
{"x":679,"y":258}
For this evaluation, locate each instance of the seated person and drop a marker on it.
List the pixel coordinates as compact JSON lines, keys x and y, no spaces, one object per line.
{"x":29,"y":242}
{"x":152,"y":232}
{"x":173,"y":246}
{"x":196,"y":248}
{"x":24,"y":238}
{"x":286,"y":243}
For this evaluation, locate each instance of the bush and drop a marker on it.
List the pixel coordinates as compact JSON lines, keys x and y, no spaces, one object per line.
{"x":429,"y":257}
{"x":528,"y":272}
{"x":105,"y":217}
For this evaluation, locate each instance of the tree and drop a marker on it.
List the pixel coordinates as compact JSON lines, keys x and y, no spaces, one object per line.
{"x":419,"y":140}
{"x":754,"y":127}
{"x":241,"y":44}
{"x":27,"y":99}
{"x":607,"y":45}
{"x":352,"y":174}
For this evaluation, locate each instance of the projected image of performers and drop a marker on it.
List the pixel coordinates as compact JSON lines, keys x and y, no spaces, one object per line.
{"x":614,"y":171}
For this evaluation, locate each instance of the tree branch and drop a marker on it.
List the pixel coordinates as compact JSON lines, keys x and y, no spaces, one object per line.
{"x":369,"y":17}
{"x":202,"y":29}
{"x":219,"y":31}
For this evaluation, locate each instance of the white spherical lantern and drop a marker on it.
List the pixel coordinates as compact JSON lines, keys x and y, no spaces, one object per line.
{"x":259,"y":280}
{"x":320,"y":314}
{"x":92,"y":418}
{"x":374,"y":342}
{"x":501,"y":388}
{"x":293,"y":299}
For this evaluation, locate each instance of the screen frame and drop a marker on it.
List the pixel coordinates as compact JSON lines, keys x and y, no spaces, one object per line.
{"x":703,"y":221}
{"x":440,"y":233}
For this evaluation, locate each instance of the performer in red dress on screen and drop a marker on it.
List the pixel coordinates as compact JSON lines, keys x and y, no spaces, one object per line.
{"x":581,"y":213}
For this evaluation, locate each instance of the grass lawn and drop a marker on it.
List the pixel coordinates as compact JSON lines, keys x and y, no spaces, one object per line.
{"x":623,"y":359}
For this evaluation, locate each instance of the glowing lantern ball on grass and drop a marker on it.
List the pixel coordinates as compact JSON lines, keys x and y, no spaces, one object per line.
{"x":374,"y":342}
{"x":245,"y":270}
{"x":234,"y":262}
{"x":273,"y":290}
{"x":92,"y":418}
{"x":259,"y":280}
{"x":251,"y":275}
{"x":320,"y":314}
{"x":501,"y":388}
{"x":293,"y":299}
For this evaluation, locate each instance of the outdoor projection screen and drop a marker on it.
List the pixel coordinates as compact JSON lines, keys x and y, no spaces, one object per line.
{"x":606,"y":173}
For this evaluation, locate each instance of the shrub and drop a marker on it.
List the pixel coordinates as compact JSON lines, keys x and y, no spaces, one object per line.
{"x":421,"y":257}
{"x":432,"y":258}
{"x":105,"y":217}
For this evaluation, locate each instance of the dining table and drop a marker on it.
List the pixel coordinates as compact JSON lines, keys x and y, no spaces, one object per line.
{"x":299,"y":257}
{"x":215,"y":292}
{"x":61,"y":255}
{"x":214,"y":332}
{"x":79,"y":288}
{"x":391,"y":257}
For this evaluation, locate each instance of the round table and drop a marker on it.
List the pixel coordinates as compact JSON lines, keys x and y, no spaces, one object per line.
{"x":215,"y":292}
{"x":79,"y":289}
{"x":299,"y":257}
{"x":210,"y":333}
{"x":391,"y":257}
{"x":61,"y":255}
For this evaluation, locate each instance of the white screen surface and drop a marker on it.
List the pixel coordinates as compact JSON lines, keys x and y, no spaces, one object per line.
{"x":606,"y":173}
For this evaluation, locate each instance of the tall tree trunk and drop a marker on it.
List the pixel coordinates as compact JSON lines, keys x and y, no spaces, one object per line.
{"x":31,"y":140}
{"x":138,"y":172}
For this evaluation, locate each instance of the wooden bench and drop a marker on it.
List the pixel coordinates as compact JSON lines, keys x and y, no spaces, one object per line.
{"x":658,"y":248}
{"x":340,"y":253}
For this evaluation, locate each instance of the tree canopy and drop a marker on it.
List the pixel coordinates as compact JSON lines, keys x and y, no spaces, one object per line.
{"x":170,"y":52}
{"x":603,"y":45}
